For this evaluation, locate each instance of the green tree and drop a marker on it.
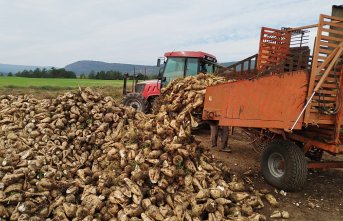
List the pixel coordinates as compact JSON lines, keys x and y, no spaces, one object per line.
{"x":52,"y":73}
{"x":91,"y":75}
{"x":140,"y":76}
{"x":153,"y":76}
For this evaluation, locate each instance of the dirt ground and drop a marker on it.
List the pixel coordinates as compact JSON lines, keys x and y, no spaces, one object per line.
{"x":323,"y":190}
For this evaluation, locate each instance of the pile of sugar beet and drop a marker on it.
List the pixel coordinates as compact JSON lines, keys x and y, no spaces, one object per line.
{"x":81,"y":156}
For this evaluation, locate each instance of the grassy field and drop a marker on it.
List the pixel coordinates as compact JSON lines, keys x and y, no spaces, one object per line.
{"x":49,"y":83}
{"x":51,"y":87}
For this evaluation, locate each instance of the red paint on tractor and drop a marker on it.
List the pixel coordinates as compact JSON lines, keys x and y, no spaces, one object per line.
{"x":152,"y":88}
{"x":188,"y":54}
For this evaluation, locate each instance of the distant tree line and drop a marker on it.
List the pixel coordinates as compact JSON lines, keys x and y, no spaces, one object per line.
{"x":44,"y":73}
{"x":9,"y":74}
{"x":110,"y":75}
{"x":62,"y":73}
{"x":104,"y":75}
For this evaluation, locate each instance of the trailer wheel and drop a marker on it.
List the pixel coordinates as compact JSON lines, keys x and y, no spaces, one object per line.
{"x":284,"y":165}
{"x":137,"y":101}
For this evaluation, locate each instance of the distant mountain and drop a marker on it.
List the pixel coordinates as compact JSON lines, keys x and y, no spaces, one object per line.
{"x":225,"y":64}
{"x":245,"y":67}
{"x":85,"y":67}
{"x":7,"y":68}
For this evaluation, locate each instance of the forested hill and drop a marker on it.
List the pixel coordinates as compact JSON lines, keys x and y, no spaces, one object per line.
{"x":85,"y":67}
{"x":13,"y":68}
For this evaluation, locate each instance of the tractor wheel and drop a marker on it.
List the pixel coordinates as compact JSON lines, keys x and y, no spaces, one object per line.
{"x":284,"y":165}
{"x":137,"y":101}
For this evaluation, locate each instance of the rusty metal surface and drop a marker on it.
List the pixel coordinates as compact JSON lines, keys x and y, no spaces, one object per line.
{"x":329,"y":36}
{"x":325,"y":165}
{"x":271,"y":101}
{"x":274,"y":47}
{"x":280,"y":51}
{"x":314,"y":142}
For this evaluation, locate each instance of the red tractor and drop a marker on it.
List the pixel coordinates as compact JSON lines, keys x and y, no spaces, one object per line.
{"x":178,"y":64}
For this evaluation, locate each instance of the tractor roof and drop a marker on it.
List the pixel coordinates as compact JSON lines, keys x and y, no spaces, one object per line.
{"x":191,"y":54}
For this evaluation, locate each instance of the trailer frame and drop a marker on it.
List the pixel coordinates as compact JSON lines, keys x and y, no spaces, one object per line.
{"x":290,"y":93}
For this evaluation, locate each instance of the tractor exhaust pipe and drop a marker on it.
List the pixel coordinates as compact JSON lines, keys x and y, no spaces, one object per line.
{"x":125,"y":84}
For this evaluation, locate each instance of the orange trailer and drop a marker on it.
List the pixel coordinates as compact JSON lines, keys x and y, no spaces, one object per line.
{"x":290,"y":94}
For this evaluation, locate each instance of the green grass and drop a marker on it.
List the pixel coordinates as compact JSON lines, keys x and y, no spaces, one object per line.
{"x":55,"y":83}
{"x":52,"y":87}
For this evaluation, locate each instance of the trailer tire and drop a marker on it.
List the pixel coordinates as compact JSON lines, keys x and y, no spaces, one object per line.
{"x":137,"y":101}
{"x":284,"y":165}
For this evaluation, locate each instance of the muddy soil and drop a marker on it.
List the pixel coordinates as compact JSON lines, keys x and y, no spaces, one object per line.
{"x":320,"y":199}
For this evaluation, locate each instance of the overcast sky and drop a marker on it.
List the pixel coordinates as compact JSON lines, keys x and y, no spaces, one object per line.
{"x":59,"y":32}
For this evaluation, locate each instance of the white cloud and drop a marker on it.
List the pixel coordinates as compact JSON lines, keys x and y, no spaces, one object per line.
{"x":58,"y":32}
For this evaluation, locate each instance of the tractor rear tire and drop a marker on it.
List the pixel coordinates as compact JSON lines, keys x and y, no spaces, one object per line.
{"x":137,"y":101}
{"x":284,"y":165}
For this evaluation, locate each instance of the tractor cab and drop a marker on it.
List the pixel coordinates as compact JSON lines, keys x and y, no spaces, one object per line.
{"x":177,"y":64}
{"x":180,"y":64}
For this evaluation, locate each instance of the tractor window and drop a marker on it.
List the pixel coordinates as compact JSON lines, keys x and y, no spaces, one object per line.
{"x":192,"y":66}
{"x":206,"y":68}
{"x":174,"y":68}
{"x":209,"y":68}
